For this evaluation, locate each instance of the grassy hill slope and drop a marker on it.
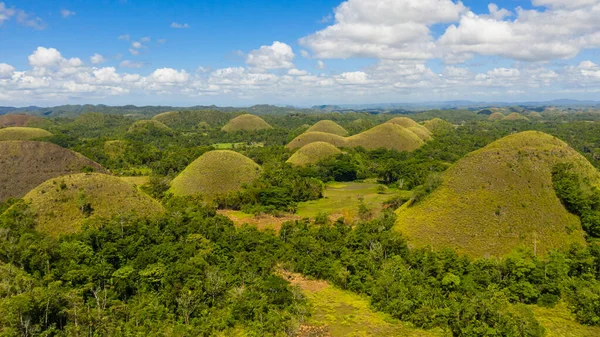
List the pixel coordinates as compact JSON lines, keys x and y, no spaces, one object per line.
{"x":328,"y":127}
{"x":496,"y":116}
{"x":18,"y":120}
{"x":515,"y":116}
{"x":149,"y":127}
{"x":23,"y":133}
{"x":216,"y":172}
{"x":190,"y":119}
{"x":246,"y":123}
{"x":498,"y":198}
{"x":63,"y":204}
{"x":311,"y":137}
{"x":388,"y":136}
{"x":26,"y":164}
{"x":403,"y":121}
{"x":312,"y":153}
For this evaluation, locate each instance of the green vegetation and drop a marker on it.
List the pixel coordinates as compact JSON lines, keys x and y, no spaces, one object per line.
{"x":499,"y":198}
{"x":386,"y":136}
{"x":26,"y":164}
{"x":246,"y":123}
{"x":23,"y":133}
{"x":63,"y":205}
{"x":535,"y":115}
{"x":192,"y":119}
{"x":328,"y":126}
{"x":214,"y":173}
{"x":438,"y":126}
{"x":313,"y":153}
{"x":404,"y":122}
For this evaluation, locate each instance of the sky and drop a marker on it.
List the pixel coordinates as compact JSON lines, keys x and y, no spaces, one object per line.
{"x":302,"y":52}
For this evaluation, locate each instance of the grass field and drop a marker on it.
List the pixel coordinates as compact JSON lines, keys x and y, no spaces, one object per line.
{"x":342,"y":199}
{"x":136,"y":181}
{"x":339,"y":313}
{"x":559,"y":322}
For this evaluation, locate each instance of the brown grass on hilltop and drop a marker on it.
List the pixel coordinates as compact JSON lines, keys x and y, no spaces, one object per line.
{"x":26,"y":164}
{"x":328,"y":127}
{"x":246,"y":122}
{"x":311,"y":137}
{"x":23,"y":133}
{"x":387,"y":136}
{"x":18,"y":120}
{"x":499,"y":198}
{"x":313,"y":153}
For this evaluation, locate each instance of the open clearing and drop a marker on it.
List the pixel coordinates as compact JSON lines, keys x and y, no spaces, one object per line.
{"x":559,"y":322}
{"x":339,"y":313}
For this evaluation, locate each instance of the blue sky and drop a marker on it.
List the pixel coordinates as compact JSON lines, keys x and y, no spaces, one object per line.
{"x":233,"y":52}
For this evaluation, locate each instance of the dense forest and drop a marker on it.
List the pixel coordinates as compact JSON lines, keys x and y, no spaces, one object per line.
{"x":192,"y":271}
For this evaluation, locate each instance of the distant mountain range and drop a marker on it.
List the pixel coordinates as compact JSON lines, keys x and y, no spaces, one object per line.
{"x":265,"y":109}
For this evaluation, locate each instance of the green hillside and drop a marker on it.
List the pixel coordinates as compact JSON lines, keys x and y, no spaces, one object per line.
{"x":246,"y":123}
{"x":214,"y":173}
{"x":152,"y":127}
{"x":23,"y":133}
{"x":313,"y":153}
{"x":499,"y":198}
{"x":63,"y":204}
{"x":311,"y":137}
{"x":387,"y":136}
{"x":328,"y":127}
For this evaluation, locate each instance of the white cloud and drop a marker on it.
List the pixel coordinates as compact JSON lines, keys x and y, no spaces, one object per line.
{"x":498,"y":13}
{"x":6,"y":70}
{"x":136,"y":45}
{"x":169,"y":76}
{"x":5,"y":12}
{"x":97,"y":59}
{"x":296,"y":72}
{"x":504,"y":72}
{"x":321,"y":65}
{"x":355,"y":77}
{"x":125,"y":37}
{"x":131,"y":64}
{"x":564,"y":3}
{"x":65,"y":13}
{"x":145,"y":39}
{"x":22,"y":17}
{"x":179,"y":25}
{"x":385,"y":29}
{"x":276,"y":56}
{"x":134,"y":51}
{"x":45,"y":57}
{"x":305,"y":54}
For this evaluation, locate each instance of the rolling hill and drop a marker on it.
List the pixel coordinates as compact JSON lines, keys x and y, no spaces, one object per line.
{"x":214,"y":173}
{"x":328,"y":126}
{"x":63,"y":204}
{"x":438,"y":125}
{"x":190,"y":119}
{"x":496,"y":116}
{"x":26,"y":164}
{"x":499,"y":198}
{"x":403,"y":121}
{"x":311,"y":137}
{"x":313,"y":153}
{"x":18,"y":120}
{"x":23,"y":133}
{"x":515,"y":116}
{"x":388,"y":136}
{"x":246,"y":123}
{"x":152,"y":127}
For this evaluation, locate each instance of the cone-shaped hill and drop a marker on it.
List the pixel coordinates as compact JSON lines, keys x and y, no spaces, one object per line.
{"x":499,"y":198}
{"x":438,"y":125}
{"x":403,"y":121}
{"x":191,"y":119}
{"x":421,"y":132}
{"x":496,"y":116}
{"x":388,"y":136}
{"x":18,"y":120}
{"x":63,"y":204}
{"x":311,"y":137}
{"x":328,"y":126}
{"x":26,"y":164}
{"x":246,"y":123}
{"x":23,"y":133}
{"x":214,"y":173}
{"x":152,"y":127}
{"x":535,"y":115}
{"x":313,"y":153}
{"x":515,"y":116}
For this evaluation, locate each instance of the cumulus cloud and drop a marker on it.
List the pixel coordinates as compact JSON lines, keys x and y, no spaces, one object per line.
{"x":65,"y":13}
{"x":22,"y":17}
{"x":6,"y":70}
{"x":386,"y":29}
{"x":179,"y":25}
{"x":169,"y":76}
{"x":97,"y":59}
{"x":131,"y":64}
{"x":276,"y":56}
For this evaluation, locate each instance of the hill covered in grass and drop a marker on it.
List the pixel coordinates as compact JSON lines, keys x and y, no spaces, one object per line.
{"x":246,"y":122}
{"x":313,"y":153}
{"x":191,"y":119}
{"x":388,"y":136}
{"x":149,"y":127}
{"x":403,"y":121}
{"x":23,"y":133}
{"x":311,"y":137}
{"x":214,"y":173}
{"x":26,"y":164}
{"x":328,"y":126}
{"x":438,"y":125}
{"x":63,"y":204}
{"x":499,"y":198}
{"x":421,"y":132}
{"x":515,"y":116}
{"x":496,"y":116}
{"x":18,"y":120}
